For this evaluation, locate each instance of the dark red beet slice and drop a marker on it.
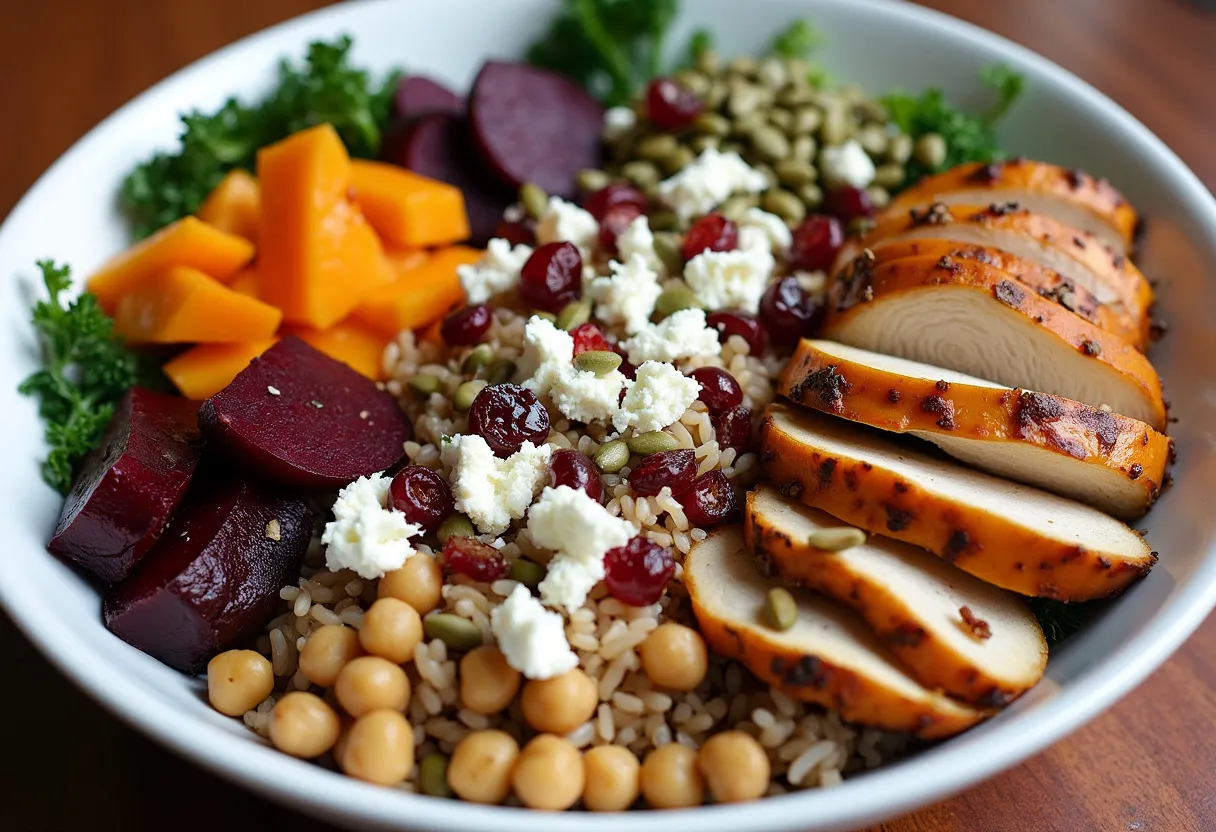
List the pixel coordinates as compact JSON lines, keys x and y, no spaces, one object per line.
{"x":418,"y":95}
{"x":439,"y":146}
{"x":535,"y":126}
{"x":129,"y":487}
{"x":213,"y":581}
{"x":298,"y":417}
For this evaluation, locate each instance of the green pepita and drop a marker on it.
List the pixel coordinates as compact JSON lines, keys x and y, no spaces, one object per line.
{"x":803,"y":150}
{"x":675,"y":299}
{"x":794,"y":172}
{"x":667,"y":247}
{"x":708,"y":61}
{"x":744,"y":65}
{"x":456,"y":632}
{"x":771,"y":143}
{"x":889,"y":176}
{"x":433,"y":775}
{"x":656,"y":148}
{"x":477,"y":358}
{"x":811,"y":195}
{"x":526,"y":572}
{"x":695,"y":82}
{"x":873,"y":110}
{"x":716,"y":96}
{"x":612,"y":456}
{"x":466,"y":393}
{"x":879,"y":197}
{"x":590,"y":180}
{"x":784,"y":204}
{"x":499,"y":371}
{"x":899,"y":150}
{"x":640,"y":172}
{"x":652,"y":442}
{"x":837,"y":539}
{"x":773,"y":73}
{"x":455,"y":525}
{"x":599,"y":362}
{"x":700,"y":144}
{"x":534,"y":200}
{"x":930,"y":150}
{"x":873,"y":139}
{"x":835,"y":127}
{"x":807,"y":120}
{"x":780,"y":608}
{"x":575,"y":313}
{"x":767,"y":171}
{"x":424,"y":384}
{"x":711,"y":124}
{"x":783,"y":120}
{"x":548,"y":316}
{"x":677,"y":161}
{"x":664,"y":221}
{"x":744,"y":100}
{"x":795,"y":96}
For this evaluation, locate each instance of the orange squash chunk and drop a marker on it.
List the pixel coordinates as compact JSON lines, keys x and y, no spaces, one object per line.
{"x":201,"y":372}
{"x":187,"y":242}
{"x":246,"y":282}
{"x":234,"y":205}
{"x":407,"y":209}
{"x":317,"y":257}
{"x":186,"y":306}
{"x":420,"y":295}
{"x":403,"y":259}
{"x":351,"y":342}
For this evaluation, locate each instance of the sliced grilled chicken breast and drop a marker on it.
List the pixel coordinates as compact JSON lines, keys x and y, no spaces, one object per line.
{"x":1047,"y":282}
{"x":1112,"y":462}
{"x":1070,"y":196}
{"x":829,"y":656}
{"x":970,"y":317}
{"x":953,"y":631}
{"x":1014,"y":536}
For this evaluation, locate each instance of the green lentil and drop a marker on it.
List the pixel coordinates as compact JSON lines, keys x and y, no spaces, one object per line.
{"x":784,"y":204}
{"x":424,"y":384}
{"x":640,"y":172}
{"x":771,"y":143}
{"x":499,"y":371}
{"x":456,"y":632}
{"x":526,"y":572}
{"x":477,"y":358}
{"x":462,"y":400}
{"x":780,"y":608}
{"x":534,"y":199}
{"x":794,"y":172}
{"x":711,"y":124}
{"x":433,"y":775}
{"x":455,"y":525}
{"x":657,"y":147}
{"x":599,"y":362}
{"x":652,"y":442}
{"x":899,"y":150}
{"x":575,"y":313}
{"x":889,"y":175}
{"x":675,"y":299}
{"x":590,"y":180}
{"x":612,"y":456}
{"x":837,"y":539}
{"x":930,"y":150}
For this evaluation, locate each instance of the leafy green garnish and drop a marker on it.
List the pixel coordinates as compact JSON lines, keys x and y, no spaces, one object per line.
{"x":702,"y":41}
{"x":610,"y":47}
{"x":85,"y":371}
{"x":326,"y":88}
{"x":1060,"y":620}
{"x":797,"y":40}
{"x":1008,"y":84}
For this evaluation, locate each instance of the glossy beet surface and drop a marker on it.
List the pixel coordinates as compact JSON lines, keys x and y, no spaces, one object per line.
{"x":552,"y":277}
{"x":711,"y":501}
{"x":638,"y":572}
{"x":129,"y":486}
{"x":730,"y":322}
{"x":418,"y":95}
{"x":712,"y":232}
{"x":667,"y":469}
{"x":466,"y":327}
{"x":719,"y":390}
{"x":213,"y":580}
{"x":301,"y":419}
{"x":574,"y":468}
{"x":613,"y":194}
{"x":670,"y":105}
{"x":816,"y":242}
{"x":507,"y":416}
{"x":787,"y":311}
{"x":421,"y":495}
{"x":474,"y":559}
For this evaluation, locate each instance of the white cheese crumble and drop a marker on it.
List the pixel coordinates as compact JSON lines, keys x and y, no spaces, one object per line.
{"x":759,"y":225}
{"x":532,"y":639}
{"x":658,"y":397}
{"x":637,"y":238}
{"x":618,"y":121}
{"x":586,"y":397}
{"x":682,"y":334}
{"x":707,"y":181}
{"x":846,"y":164}
{"x":493,"y":491}
{"x":365,"y":535}
{"x":580,"y":530}
{"x":547,"y":352}
{"x":628,"y":296}
{"x":565,"y":222}
{"x":496,"y":272}
{"x":732,"y":279}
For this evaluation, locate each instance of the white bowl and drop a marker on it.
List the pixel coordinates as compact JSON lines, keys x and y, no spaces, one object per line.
{"x":71,"y":215}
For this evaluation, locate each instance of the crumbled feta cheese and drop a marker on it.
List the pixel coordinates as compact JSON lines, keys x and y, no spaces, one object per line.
{"x":581,"y":531}
{"x":365,"y":535}
{"x":532,"y":639}
{"x":732,"y":279}
{"x":637,"y":238}
{"x":628,"y":296}
{"x":707,"y":181}
{"x":565,"y":222}
{"x":682,"y":334}
{"x":493,"y":491}
{"x":758,"y":225}
{"x":846,"y":164}
{"x":658,"y":397}
{"x":618,"y":121}
{"x":586,"y":397}
{"x":496,"y":272}
{"x":547,"y":351}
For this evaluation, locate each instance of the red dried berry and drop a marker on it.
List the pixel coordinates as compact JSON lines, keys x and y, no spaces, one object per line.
{"x":576,"y":470}
{"x":615,"y":222}
{"x":589,"y":338}
{"x":850,"y":203}
{"x":506,"y":416}
{"x":817,"y":241}
{"x":732,"y":428}
{"x":616,"y":193}
{"x":637,"y":573}
{"x":719,"y":390}
{"x":517,"y":232}
{"x":552,"y":277}
{"x":747,"y":326}
{"x":474,"y":559}
{"x":466,"y":327}
{"x":712,"y":500}
{"x":671,"y":469}
{"x":421,"y":495}
{"x":713,"y":232}
{"x":670,"y":105}
{"x":786,"y":311}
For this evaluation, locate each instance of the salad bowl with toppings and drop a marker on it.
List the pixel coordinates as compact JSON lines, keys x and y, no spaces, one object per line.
{"x":624,"y":408}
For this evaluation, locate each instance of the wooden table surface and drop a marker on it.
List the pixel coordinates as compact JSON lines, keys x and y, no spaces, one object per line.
{"x":1149,"y":765}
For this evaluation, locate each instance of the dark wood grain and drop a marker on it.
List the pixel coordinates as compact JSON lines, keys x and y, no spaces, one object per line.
{"x":1149,"y":765}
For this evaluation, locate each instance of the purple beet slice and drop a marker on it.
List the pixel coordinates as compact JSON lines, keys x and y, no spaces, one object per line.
{"x":439,"y":146}
{"x":533,"y":125}
{"x":129,"y":486}
{"x":213,"y":580}
{"x":299,"y":418}
{"x":418,"y":95}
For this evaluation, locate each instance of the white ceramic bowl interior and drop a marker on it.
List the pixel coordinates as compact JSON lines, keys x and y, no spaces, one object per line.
{"x":71,"y":215}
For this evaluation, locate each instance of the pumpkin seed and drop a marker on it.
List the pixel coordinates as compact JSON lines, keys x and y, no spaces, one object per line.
{"x":803,"y":150}
{"x":872,"y":110}
{"x":784,"y":204}
{"x":799,"y":71}
{"x":889,"y":176}
{"x":534,"y":199}
{"x":930,"y":150}
{"x":455,"y":525}
{"x":599,"y":362}
{"x":767,"y":171}
{"x":652,"y":442}
{"x":707,"y":61}
{"x":456,"y":632}
{"x":656,"y":148}
{"x":837,"y":539}
{"x":477,"y":358}
{"x":879,"y":197}
{"x":667,"y":247}
{"x":744,"y":100}
{"x":835,"y":127}
{"x":499,"y":371}
{"x":590,"y":180}
{"x":700,"y":144}
{"x":695,"y":82}
{"x":899,"y":150}
{"x":743,"y":65}
{"x":716,"y":96}
{"x":783,"y":120}
{"x":873,"y":139}
{"x":424,"y":384}
{"x":807,"y":120}
{"x":526,"y":572}
{"x":773,"y":73}
{"x":664,"y":221}
{"x":730,"y":147}
{"x":795,"y":96}
{"x":640,"y":172}
{"x":745,"y":126}
{"x":795,"y":172}
{"x":612,"y":456}
{"x":780,"y":608}
{"x":677,"y":161}
{"x":811,"y":194}
{"x":466,"y":393}
{"x":433,"y":775}
{"x":575,"y":313}
{"x":771,"y":143}
{"x":675,"y":299}
{"x":711,"y":124}
{"x":548,"y":316}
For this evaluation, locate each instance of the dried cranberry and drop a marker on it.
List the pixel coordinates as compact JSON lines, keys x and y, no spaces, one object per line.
{"x":730,"y":322}
{"x":787,"y":311}
{"x":465,"y":327}
{"x":477,"y":560}
{"x":421,"y":495}
{"x":850,"y":203}
{"x":615,"y":222}
{"x":575,"y":469}
{"x":670,"y":105}
{"x":616,"y":193}
{"x":710,"y":501}
{"x":552,"y":277}
{"x":638,"y":572}
{"x":719,"y":390}
{"x":674,"y":469}
{"x":589,"y":338}
{"x":817,"y":241}
{"x":713,"y":232}
{"x":733,"y":427}
{"x":507,"y":416}
{"x":517,"y":232}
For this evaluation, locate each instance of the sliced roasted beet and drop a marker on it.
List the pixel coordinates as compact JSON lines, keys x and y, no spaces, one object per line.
{"x":298,"y":417}
{"x":213,"y":580}
{"x":439,"y":146}
{"x":418,"y":95}
{"x":535,"y":126}
{"x":128,"y":487}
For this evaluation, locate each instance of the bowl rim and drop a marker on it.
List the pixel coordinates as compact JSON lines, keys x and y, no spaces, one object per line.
{"x":878,"y":795}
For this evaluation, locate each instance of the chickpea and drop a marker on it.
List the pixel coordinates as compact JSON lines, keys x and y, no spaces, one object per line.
{"x":674,"y":656}
{"x":480,"y":768}
{"x":735,"y":767}
{"x":419,"y":583}
{"x":238,"y":681}
{"x":548,"y":774}
{"x":327,"y":651}
{"x":379,"y":748}
{"x":487,"y":682}
{"x":391,"y":628}
{"x":611,"y":774}
{"x":370,"y":683}
{"x":560,"y":704}
{"x":670,"y":779}
{"x":302,"y":725}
